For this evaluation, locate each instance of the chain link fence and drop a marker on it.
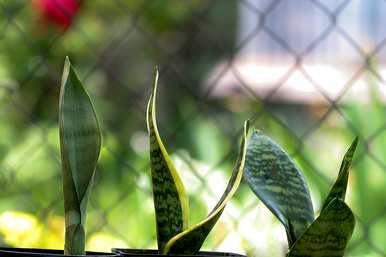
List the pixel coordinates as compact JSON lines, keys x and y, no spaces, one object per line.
{"x":309,"y":73}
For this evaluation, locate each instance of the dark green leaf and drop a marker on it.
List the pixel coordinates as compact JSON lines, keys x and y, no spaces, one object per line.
{"x":170,"y":200}
{"x":328,"y":235}
{"x":80,"y":141}
{"x":191,"y":240}
{"x":338,"y":190}
{"x":276,"y":180}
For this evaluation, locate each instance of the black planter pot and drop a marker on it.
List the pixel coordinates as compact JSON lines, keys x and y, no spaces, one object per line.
{"x":154,"y":253}
{"x":30,"y":252}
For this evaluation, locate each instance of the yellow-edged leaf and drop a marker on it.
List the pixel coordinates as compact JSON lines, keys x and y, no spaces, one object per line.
{"x":191,"y":240}
{"x":170,"y":199}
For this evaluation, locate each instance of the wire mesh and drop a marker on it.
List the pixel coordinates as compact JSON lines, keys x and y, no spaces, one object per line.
{"x":216,"y":70}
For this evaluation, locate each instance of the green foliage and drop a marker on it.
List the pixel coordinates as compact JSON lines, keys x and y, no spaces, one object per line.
{"x":338,"y":190}
{"x":191,"y":240}
{"x":368,"y":119}
{"x":274,"y":178}
{"x":30,"y":60}
{"x":329,"y":233}
{"x":80,"y":142}
{"x":170,"y":200}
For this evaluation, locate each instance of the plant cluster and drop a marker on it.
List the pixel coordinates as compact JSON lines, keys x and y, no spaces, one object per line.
{"x":80,"y":143}
{"x":279,"y":184}
{"x":170,"y":201}
{"x":268,"y":169}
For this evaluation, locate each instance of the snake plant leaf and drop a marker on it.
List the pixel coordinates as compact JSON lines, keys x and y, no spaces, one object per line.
{"x":170,"y":199}
{"x":191,"y":240}
{"x":276,"y":180}
{"x":338,"y":190}
{"x":80,"y":142}
{"x":328,"y":235}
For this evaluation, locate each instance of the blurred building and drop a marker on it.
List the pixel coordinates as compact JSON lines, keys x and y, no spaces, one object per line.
{"x":305,"y":51}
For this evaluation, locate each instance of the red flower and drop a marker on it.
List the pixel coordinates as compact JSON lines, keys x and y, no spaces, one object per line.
{"x":57,"y":12}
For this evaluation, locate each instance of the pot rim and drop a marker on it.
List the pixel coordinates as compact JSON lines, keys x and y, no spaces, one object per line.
{"x":155,"y":253}
{"x":14,"y":251}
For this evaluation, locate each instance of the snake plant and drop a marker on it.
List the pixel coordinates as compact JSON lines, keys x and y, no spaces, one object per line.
{"x":279,"y":184}
{"x":80,"y":142}
{"x":174,"y":235}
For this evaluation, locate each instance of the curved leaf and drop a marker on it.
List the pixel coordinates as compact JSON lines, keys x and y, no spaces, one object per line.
{"x":80,"y":142}
{"x":276,"y":180}
{"x":328,"y":235}
{"x":170,"y":200}
{"x":191,"y":240}
{"x":338,"y":190}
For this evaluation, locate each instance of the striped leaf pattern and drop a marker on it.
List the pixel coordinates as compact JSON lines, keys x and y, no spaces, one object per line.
{"x":338,"y":190}
{"x":276,"y":180}
{"x":191,"y":240}
{"x":170,"y":200}
{"x":329,"y":233}
{"x":80,"y":142}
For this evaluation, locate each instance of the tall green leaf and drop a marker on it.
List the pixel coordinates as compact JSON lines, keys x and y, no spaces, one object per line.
{"x":328,"y":235}
{"x":80,"y":142}
{"x":191,"y":240}
{"x":276,"y":180}
{"x":338,"y":190}
{"x":170,"y":200}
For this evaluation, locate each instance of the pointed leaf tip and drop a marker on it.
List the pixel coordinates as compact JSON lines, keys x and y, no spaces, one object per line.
{"x":246,"y":126}
{"x":339,"y":188}
{"x":191,"y":240}
{"x":276,"y":180}
{"x":155,"y":82}
{"x":65,"y":74}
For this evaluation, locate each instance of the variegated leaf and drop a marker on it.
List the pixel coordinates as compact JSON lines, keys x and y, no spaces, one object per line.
{"x":328,"y":235}
{"x":276,"y":180}
{"x":191,"y":240}
{"x":80,"y":141}
{"x":338,"y":190}
{"x":170,"y":199}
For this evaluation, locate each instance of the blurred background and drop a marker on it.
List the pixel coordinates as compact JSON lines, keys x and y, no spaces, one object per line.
{"x":309,"y":73}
